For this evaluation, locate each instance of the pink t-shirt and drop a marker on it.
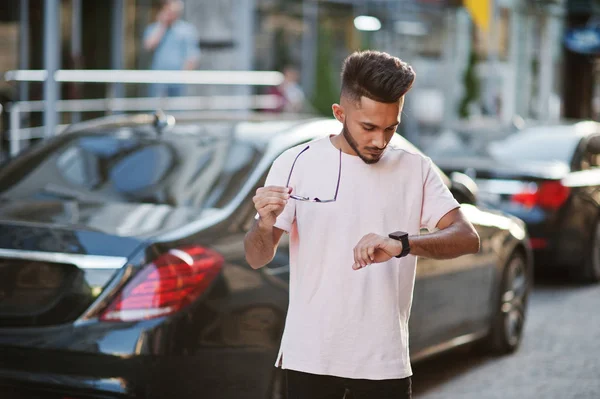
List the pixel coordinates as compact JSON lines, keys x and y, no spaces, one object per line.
{"x":343,"y":322}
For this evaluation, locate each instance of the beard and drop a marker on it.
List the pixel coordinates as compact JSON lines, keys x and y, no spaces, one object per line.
{"x":354,"y":145}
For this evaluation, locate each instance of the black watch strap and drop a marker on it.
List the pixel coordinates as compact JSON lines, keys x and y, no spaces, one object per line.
{"x":401,"y":236}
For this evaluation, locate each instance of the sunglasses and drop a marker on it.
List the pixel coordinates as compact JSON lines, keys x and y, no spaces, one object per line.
{"x":315,"y":199}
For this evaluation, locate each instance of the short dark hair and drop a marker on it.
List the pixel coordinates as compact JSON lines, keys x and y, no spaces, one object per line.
{"x":376,"y":75}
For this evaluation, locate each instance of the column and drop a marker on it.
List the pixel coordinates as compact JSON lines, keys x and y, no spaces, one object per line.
{"x":117,"y":42}
{"x":24,"y":46}
{"x":51,"y":64}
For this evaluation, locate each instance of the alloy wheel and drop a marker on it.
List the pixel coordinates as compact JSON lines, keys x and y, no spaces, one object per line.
{"x":514,"y":300}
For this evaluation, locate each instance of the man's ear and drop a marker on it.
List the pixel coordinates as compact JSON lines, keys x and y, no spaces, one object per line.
{"x":338,"y":112}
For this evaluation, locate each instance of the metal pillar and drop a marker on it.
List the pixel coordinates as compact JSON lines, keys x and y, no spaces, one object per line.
{"x":76,"y":48}
{"x":546,"y":65}
{"x":24,"y":47}
{"x":510,"y":96}
{"x":245,"y":22}
{"x":451,"y":86}
{"x":493,"y":79}
{"x":117,"y":41}
{"x":525,"y":65}
{"x":310,"y":15}
{"x":548,"y":109}
{"x":51,"y":64}
{"x":245,"y":34}
{"x":15,"y":127}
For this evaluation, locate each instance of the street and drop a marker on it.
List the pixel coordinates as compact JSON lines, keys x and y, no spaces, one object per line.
{"x":558,"y":357}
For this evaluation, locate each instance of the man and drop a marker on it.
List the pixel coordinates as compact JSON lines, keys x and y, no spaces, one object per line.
{"x":289,"y":92}
{"x":352,"y":266}
{"x":174,"y":43}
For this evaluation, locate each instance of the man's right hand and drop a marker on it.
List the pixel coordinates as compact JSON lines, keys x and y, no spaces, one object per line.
{"x":270,"y":202}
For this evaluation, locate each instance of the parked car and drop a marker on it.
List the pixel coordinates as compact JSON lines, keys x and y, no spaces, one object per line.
{"x":548,"y":176}
{"x":122,"y":267}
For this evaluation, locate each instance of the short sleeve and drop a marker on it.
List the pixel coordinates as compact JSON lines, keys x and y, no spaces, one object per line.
{"x":278,"y":177}
{"x":437,"y":198}
{"x":192,"y":44}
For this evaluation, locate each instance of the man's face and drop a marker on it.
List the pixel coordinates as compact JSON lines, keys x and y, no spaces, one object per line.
{"x":368,"y":126}
{"x":171,"y":11}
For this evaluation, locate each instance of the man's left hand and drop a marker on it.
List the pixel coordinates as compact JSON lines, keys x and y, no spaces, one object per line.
{"x":374,"y":248}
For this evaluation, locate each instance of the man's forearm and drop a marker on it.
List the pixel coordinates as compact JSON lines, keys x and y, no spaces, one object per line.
{"x":259,"y":246}
{"x":155,"y":37}
{"x":454,"y":241}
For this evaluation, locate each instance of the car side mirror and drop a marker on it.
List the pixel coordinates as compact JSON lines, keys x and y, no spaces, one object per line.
{"x":463,"y":188}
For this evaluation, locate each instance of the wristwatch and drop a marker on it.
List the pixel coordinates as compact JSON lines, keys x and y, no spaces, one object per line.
{"x":401,"y":236}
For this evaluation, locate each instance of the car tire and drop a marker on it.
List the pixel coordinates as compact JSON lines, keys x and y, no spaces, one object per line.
{"x":510,"y":310}
{"x":591,"y":265}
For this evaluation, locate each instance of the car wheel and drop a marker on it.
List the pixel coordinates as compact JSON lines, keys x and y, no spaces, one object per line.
{"x":511,"y":307}
{"x":591,"y":270}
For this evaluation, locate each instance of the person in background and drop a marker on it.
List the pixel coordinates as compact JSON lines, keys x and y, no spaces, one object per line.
{"x":290,"y":94}
{"x":174,"y":44}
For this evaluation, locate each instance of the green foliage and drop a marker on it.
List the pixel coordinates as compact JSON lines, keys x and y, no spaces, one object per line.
{"x":282,"y":50}
{"x":471,"y":84}
{"x":326,"y":91}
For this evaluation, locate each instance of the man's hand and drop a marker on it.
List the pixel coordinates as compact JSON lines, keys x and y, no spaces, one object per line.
{"x":374,"y":248}
{"x":269,"y":203}
{"x":163,"y":17}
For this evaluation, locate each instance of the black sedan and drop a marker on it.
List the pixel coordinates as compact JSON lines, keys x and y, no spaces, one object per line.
{"x":548,"y":176}
{"x":122,"y":270}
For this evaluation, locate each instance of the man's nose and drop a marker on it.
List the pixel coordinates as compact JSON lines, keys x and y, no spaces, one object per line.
{"x":378,"y":140}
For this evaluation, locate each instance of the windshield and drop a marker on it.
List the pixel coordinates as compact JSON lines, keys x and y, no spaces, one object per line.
{"x":192,"y":169}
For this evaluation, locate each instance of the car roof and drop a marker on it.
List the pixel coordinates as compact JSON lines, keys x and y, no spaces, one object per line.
{"x":273,"y":130}
{"x":581,"y":128}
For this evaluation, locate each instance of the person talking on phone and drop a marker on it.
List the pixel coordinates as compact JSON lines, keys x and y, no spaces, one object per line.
{"x":174,"y":46}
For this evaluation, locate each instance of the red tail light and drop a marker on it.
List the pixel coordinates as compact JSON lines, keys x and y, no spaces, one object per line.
{"x":548,"y":195}
{"x":172,"y":281}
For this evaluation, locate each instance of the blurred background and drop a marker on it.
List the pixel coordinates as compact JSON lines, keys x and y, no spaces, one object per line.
{"x":488,"y":60}
{"x":506,"y":103}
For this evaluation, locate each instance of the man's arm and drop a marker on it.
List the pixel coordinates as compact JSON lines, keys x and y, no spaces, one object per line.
{"x":456,"y":236}
{"x":153,"y":38}
{"x":261,"y":241}
{"x":261,"y":244}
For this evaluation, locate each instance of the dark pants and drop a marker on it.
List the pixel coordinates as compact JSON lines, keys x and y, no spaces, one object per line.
{"x":311,"y":386}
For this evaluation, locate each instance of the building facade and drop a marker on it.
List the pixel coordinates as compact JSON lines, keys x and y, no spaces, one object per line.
{"x":517,"y":68}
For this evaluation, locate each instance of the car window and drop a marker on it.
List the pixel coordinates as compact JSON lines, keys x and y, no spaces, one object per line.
{"x":187,"y":170}
{"x":537,"y":145}
{"x":79,"y":167}
{"x":591,"y":153}
{"x":141,"y":169}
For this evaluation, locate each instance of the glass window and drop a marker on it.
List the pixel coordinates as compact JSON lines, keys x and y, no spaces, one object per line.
{"x":141,"y":169}
{"x":79,"y":167}
{"x":536,"y":145}
{"x":186,"y":169}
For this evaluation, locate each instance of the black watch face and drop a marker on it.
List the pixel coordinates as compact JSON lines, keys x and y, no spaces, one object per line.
{"x":398,"y":235}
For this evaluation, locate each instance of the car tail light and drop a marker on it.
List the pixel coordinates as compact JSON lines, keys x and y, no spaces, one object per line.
{"x":538,"y":243}
{"x":172,"y":281}
{"x":548,"y":195}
